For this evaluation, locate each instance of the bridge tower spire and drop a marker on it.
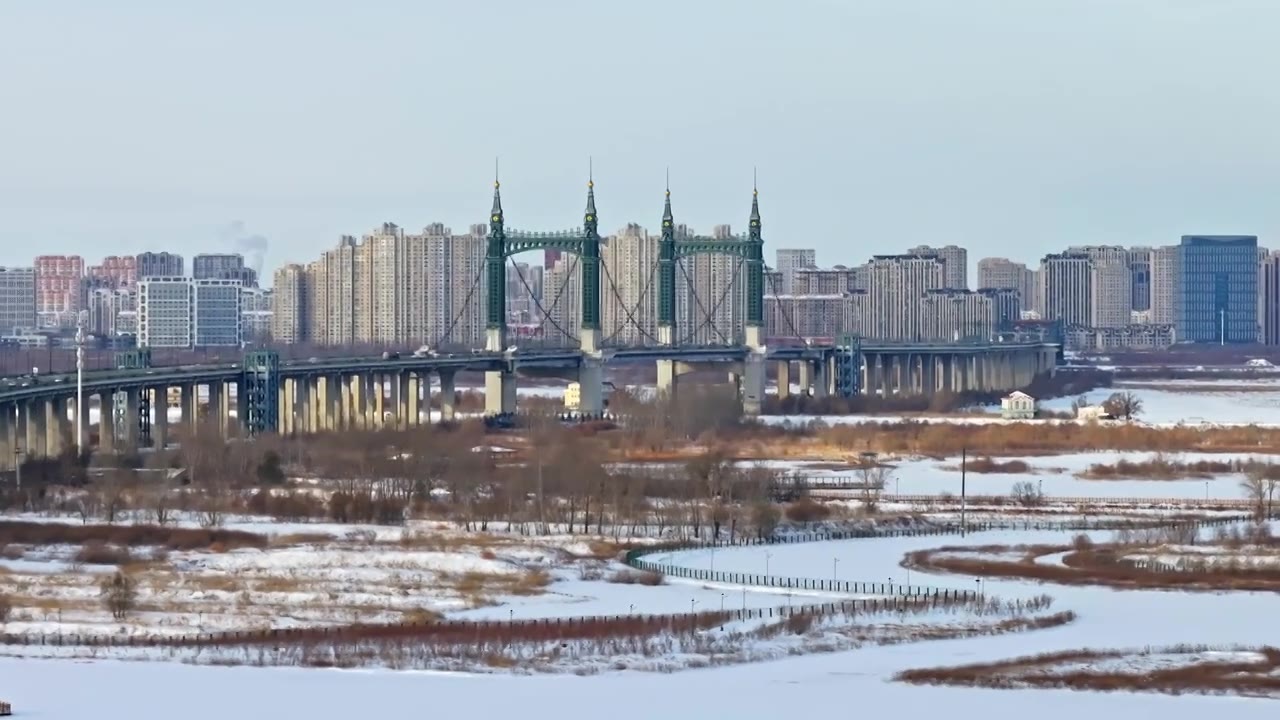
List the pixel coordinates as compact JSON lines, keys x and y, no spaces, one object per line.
{"x":667,"y":274}
{"x":496,"y":273}
{"x":589,"y":335}
{"x":755,"y":273}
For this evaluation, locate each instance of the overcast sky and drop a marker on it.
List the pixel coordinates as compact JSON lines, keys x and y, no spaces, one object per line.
{"x":1013,"y":127}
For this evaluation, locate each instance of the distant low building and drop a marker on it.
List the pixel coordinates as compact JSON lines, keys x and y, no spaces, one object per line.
{"x":1018,"y":405}
{"x":1092,"y":413}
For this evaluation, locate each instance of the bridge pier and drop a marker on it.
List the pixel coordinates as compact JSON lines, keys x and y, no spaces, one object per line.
{"x":160,"y":423}
{"x":52,"y":427}
{"x":331,"y":402}
{"x":218,"y":407}
{"x":754,"y":370}
{"x":7,"y":456}
{"x":448,"y":398}
{"x":591,"y":386}
{"x":499,"y":392}
{"x":82,"y":422}
{"x":783,"y":374}
{"x":34,"y":420}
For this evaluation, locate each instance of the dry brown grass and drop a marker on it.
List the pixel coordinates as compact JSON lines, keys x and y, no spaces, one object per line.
{"x":1096,"y":565}
{"x":127,"y":536}
{"x":988,"y":465}
{"x":1163,"y":468}
{"x":480,"y":586}
{"x":993,"y":440}
{"x":1257,"y":677}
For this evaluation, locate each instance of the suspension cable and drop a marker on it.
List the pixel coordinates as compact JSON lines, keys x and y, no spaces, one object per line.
{"x":630,"y":313}
{"x":466,"y":304}
{"x":709,"y":314}
{"x":786,"y":314}
{"x":546,"y":316}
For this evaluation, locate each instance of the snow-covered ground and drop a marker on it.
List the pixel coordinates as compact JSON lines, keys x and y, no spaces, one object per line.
{"x":1108,"y":619}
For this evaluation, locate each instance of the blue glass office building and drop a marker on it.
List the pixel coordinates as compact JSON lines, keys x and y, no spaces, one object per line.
{"x":1217,"y":294}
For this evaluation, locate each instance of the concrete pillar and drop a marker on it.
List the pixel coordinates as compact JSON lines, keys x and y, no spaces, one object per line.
{"x":448,"y":397}
{"x":500,"y":392}
{"x":805,"y":378}
{"x":218,"y":407}
{"x":668,"y":377}
{"x":784,"y":379}
{"x":106,"y":421}
{"x":6,"y":437}
{"x":160,"y":424}
{"x":821,"y":379}
{"x":356,"y":400}
{"x":754,"y":370}
{"x":82,"y":421}
{"x":313,"y":405}
{"x":371,"y":389}
{"x":132,"y":398}
{"x":34,"y":417}
{"x":411,"y":396}
{"x":54,"y":407}
{"x":6,"y":443}
{"x":591,"y":387}
{"x":331,"y":403}
{"x":383,"y":388}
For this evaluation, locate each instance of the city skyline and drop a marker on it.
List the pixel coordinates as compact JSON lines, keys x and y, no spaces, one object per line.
{"x":1101,"y":124}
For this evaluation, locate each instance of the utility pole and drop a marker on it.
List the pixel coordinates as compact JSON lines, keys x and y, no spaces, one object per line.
{"x":964,"y":458}
{"x":80,"y":382}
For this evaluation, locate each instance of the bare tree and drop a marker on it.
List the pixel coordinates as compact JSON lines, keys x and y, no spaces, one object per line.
{"x":1124,"y":405}
{"x":6,"y":608}
{"x":1027,"y":494}
{"x":1260,"y":490}
{"x":119,"y":595}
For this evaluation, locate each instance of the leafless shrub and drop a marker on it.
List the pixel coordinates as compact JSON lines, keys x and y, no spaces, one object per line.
{"x":6,"y":608}
{"x":805,"y":510}
{"x":119,"y":595}
{"x":96,"y":552}
{"x":637,"y":577}
{"x":1027,"y":494}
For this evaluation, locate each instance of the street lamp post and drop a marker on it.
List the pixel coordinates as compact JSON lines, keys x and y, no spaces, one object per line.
{"x":835,"y":564}
{"x":80,"y":382}
{"x":721,"y":602}
{"x":767,"y":555}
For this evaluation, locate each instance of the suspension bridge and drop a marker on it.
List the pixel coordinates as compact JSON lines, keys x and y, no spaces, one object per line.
{"x":40,"y":416}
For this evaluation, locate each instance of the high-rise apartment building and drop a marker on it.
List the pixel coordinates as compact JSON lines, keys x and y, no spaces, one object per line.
{"x":161,"y":264}
{"x":711,"y":295}
{"x":1005,"y":306}
{"x":827,"y":281}
{"x":948,"y":315}
{"x":1165,"y":283}
{"x":895,"y":285}
{"x":1218,"y":289}
{"x":290,"y":321}
{"x":223,"y":266}
{"x":59,"y":290}
{"x":1005,"y":274}
{"x":956,"y":276}
{"x":179,"y":312}
{"x":1270,"y":299}
{"x":112,"y":312}
{"x":1110,"y":285}
{"x":1065,"y":289}
{"x":1140,"y":277}
{"x":257,"y":311}
{"x":165,"y":314}
{"x":17,"y":299}
{"x":524,"y":285}
{"x":562,"y":300}
{"x":629,"y":310}
{"x":808,"y":316}
{"x":115,"y":271}
{"x":789,"y":260}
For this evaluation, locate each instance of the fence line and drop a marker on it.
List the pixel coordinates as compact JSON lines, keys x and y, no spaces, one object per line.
{"x":894,"y":597}
{"x":636,"y":558}
{"x":1069,"y":500}
{"x":461,"y":631}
